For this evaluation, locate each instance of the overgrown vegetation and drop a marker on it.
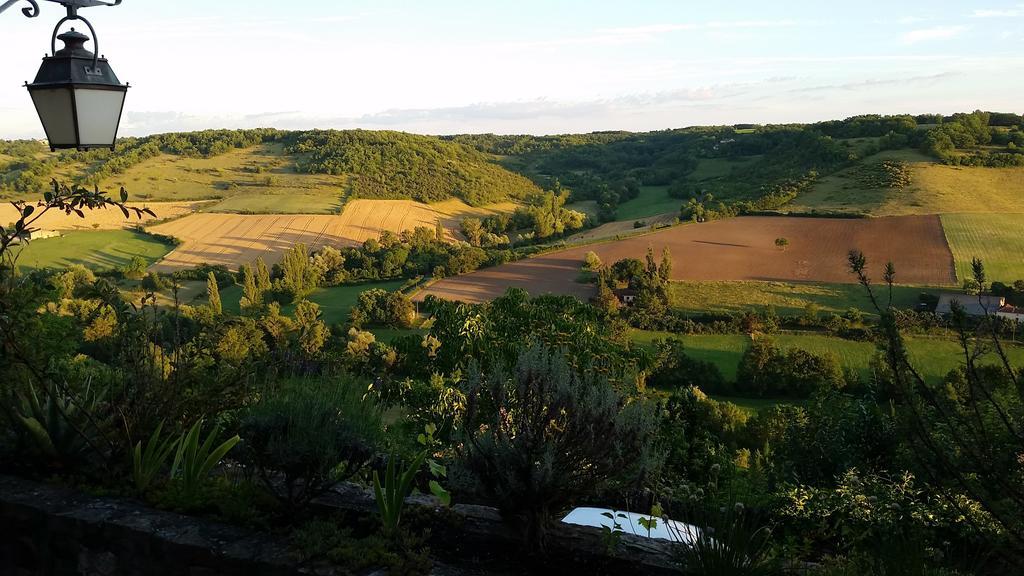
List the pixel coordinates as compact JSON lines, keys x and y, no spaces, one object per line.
{"x":534,"y":405}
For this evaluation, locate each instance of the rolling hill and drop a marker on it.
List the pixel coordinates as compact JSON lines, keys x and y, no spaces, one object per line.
{"x":271,"y":171}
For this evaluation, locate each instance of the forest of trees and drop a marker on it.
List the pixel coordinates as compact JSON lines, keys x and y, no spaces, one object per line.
{"x":397,"y":165}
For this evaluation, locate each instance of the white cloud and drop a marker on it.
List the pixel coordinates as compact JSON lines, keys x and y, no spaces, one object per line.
{"x":935,"y":33}
{"x":875,"y":83}
{"x":999,"y":12}
{"x":636,"y":34}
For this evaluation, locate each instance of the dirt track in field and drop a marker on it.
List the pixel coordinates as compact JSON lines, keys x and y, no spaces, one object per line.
{"x":235,"y":239}
{"x":736,"y":249}
{"x":103,"y":219}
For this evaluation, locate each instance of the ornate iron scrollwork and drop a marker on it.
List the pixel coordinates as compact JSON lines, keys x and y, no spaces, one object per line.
{"x":29,"y":11}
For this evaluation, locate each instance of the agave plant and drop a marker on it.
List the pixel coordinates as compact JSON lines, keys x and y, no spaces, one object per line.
{"x":59,"y":426}
{"x":729,"y":541}
{"x":148,"y":460}
{"x":391,"y":494}
{"x":195,"y":459}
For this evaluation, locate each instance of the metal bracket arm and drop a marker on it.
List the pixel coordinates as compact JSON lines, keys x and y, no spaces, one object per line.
{"x":72,"y":5}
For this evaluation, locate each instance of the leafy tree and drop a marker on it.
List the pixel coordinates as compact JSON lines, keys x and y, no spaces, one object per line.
{"x":473,"y":229}
{"x":782,"y":243}
{"x":380,"y":307}
{"x":73,"y":280}
{"x":298,"y":276}
{"x":629,"y":271}
{"x":665,"y":268}
{"x":153,"y":282}
{"x":263,"y":284}
{"x":252,"y":297}
{"x":605,"y":300}
{"x":498,"y":330}
{"x":213,"y":295}
{"x":313,"y":332}
{"x":699,"y":434}
{"x":135,"y":269}
{"x":767,"y":371}
{"x":592,"y":261}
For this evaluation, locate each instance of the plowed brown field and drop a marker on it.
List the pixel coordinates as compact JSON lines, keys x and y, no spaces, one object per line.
{"x":235,"y":239}
{"x":736,"y":249}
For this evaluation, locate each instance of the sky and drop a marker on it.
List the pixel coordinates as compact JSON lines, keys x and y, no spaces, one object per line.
{"x":531,"y":66}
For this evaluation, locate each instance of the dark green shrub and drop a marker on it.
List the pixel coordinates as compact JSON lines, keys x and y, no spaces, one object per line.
{"x":676,"y":370}
{"x":383,"y":308}
{"x":539,"y":438}
{"x":307,"y":436}
{"x":153,"y":282}
{"x":767,"y":371}
{"x":699,"y":435}
{"x":869,"y":512}
{"x":833,"y":433}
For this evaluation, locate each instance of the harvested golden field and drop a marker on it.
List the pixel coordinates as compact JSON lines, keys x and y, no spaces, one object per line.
{"x":235,"y":239}
{"x":108,"y":219}
{"x":736,"y":249}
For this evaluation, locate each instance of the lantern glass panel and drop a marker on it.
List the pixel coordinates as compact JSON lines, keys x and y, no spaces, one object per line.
{"x":99,"y":113}
{"x":58,"y":115}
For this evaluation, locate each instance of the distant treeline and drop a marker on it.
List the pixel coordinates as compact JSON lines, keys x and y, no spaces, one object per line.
{"x":606,"y":167}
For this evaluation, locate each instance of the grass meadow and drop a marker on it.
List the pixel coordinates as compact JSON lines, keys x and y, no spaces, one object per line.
{"x":258,"y":180}
{"x":714,"y":168}
{"x":998,"y":239}
{"x":933,"y":357}
{"x":934,"y":189}
{"x":95,"y":249}
{"x":788,"y":298}
{"x":653,"y":200}
{"x":335,"y":301}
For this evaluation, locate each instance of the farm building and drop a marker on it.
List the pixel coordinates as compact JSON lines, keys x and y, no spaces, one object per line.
{"x":625,"y":295}
{"x":40,"y":234}
{"x":978,"y":306}
{"x":1008,"y":312}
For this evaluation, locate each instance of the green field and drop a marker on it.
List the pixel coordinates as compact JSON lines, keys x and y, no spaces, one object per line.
{"x":934,"y":189}
{"x":653,"y":200}
{"x":752,"y":405}
{"x":335,"y":302}
{"x":389,"y":335}
{"x":998,"y":239}
{"x":788,"y":298}
{"x":934,"y":358}
{"x":259,"y":180}
{"x":713,"y":168}
{"x":96,"y":249}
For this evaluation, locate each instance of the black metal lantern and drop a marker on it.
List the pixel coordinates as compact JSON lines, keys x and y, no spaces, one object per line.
{"x":78,"y":97}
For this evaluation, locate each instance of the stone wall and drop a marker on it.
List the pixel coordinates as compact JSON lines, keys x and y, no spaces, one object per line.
{"x":50,"y":531}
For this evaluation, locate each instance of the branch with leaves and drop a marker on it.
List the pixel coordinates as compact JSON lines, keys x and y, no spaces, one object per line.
{"x":72,"y":199}
{"x":969,"y":439}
